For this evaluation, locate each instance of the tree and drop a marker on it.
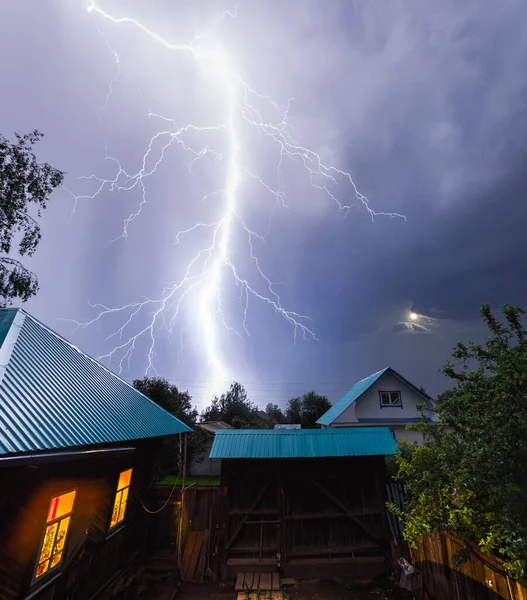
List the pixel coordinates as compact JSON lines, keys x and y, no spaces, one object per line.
{"x":469,"y":476}
{"x":23,"y":181}
{"x":169,"y":397}
{"x":179,"y":404}
{"x":307,"y":409}
{"x":293,"y":412}
{"x":275,"y":413}
{"x":234,"y":408}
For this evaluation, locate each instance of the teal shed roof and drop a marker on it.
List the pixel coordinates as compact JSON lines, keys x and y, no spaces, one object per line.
{"x":302,"y":443}
{"x":360,"y":388}
{"x":53,"y":396}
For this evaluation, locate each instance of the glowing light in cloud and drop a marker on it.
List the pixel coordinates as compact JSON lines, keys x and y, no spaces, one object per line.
{"x":215,"y":265}
{"x":414,"y":322}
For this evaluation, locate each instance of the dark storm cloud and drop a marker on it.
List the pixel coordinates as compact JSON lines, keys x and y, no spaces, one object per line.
{"x":454,"y":260}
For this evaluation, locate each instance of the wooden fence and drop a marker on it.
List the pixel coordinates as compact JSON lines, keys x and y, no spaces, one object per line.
{"x":481,"y":577}
{"x":198,"y":529}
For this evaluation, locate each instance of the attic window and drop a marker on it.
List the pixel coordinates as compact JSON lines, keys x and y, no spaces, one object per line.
{"x":54,"y":538}
{"x":390,"y":399}
{"x":121,"y":497}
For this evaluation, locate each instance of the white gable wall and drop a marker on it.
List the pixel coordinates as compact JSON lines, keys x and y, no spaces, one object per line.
{"x":369,"y":407}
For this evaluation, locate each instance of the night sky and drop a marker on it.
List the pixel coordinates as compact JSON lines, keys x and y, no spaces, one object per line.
{"x":422,"y":102}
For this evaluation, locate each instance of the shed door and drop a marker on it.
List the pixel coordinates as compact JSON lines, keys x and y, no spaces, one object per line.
{"x":330,"y":518}
{"x":254,"y":522}
{"x":304,"y":512}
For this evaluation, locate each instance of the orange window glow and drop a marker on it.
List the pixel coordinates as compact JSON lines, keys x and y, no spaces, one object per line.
{"x":121,"y":497}
{"x":57,"y":524}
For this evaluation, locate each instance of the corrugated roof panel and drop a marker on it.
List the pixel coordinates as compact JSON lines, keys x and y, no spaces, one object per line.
{"x":302,"y":443}
{"x":7,"y":316}
{"x":349,"y":397}
{"x":54,"y":396}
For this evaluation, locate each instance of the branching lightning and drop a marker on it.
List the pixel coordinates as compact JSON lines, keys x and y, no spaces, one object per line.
{"x":207,"y":272}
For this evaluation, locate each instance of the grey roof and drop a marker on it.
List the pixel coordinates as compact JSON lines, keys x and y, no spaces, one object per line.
{"x":213,"y":426}
{"x":261,"y":414}
{"x":53,"y":396}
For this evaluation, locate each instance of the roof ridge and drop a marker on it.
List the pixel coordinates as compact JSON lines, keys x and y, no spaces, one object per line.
{"x":318,"y":430}
{"x":372,"y":375}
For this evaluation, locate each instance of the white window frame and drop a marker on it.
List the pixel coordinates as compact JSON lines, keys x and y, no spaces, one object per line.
{"x":391,"y":404}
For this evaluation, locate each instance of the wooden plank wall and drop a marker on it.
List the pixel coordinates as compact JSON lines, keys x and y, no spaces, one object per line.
{"x":298,"y":515}
{"x":482,"y":577}
{"x":200,"y":530}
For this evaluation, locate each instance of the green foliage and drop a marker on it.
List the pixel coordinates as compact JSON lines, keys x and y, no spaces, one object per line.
{"x":293,"y":412}
{"x":275,"y":413}
{"x":169,"y":397}
{"x":199,"y":481}
{"x":234,"y":408}
{"x":180,"y":405}
{"x":23,"y":182}
{"x":307,"y":409}
{"x":470,"y":475}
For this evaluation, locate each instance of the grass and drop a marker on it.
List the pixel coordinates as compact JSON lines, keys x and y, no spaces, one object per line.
{"x":200,"y":481}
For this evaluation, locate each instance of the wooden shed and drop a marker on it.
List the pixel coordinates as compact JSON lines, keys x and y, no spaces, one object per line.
{"x":304,"y":503}
{"x":77,"y":445}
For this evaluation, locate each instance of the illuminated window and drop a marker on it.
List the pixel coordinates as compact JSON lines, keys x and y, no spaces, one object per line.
{"x":57,"y":524}
{"x":121,"y":497}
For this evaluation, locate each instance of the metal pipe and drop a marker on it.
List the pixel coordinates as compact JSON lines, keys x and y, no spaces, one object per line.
{"x":184,"y":471}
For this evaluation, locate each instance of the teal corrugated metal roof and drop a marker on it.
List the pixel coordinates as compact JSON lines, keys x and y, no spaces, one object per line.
{"x":362,"y":386}
{"x":54,"y":396}
{"x":302,"y":443}
{"x":6,"y":319}
{"x":349,"y":397}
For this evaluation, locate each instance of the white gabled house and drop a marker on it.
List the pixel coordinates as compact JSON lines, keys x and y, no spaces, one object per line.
{"x":384,"y":399}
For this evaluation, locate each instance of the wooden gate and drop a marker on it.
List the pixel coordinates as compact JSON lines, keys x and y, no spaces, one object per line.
{"x":302,"y":517}
{"x":253,"y":536}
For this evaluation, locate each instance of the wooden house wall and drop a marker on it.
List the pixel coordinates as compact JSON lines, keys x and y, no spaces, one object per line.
{"x":294,"y":515}
{"x":93,"y":556}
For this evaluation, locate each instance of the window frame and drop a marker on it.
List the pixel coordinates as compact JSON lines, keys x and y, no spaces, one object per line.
{"x":57,"y":569}
{"x":119,"y":524}
{"x":398,"y":405}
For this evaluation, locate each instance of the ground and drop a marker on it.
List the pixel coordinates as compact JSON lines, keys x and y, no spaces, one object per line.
{"x":303,"y":590}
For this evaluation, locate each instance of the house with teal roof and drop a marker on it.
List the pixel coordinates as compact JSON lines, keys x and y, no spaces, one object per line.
{"x":77,"y":453}
{"x":384,"y":399}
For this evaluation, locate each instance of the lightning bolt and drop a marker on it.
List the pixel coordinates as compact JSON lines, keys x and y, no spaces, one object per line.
{"x":206,"y":273}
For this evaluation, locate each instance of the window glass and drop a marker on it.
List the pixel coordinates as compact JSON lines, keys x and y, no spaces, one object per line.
{"x":390,"y":398}
{"x":124,"y":479}
{"x":55,"y":533}
{"x":121,"y":498}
